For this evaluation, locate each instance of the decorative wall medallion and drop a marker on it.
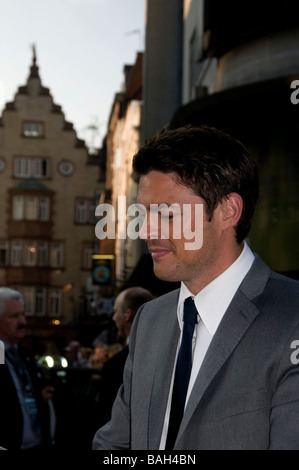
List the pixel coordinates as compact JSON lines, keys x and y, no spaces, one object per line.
{"x":66,"y":168}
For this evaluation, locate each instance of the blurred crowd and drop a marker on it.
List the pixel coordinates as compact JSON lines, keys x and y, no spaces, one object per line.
{"x":95,"y":356}
{"x":76,"y":377}
{"x":58,"y":399}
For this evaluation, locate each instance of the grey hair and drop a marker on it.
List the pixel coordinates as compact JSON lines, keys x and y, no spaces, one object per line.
{"x":8,"y":294}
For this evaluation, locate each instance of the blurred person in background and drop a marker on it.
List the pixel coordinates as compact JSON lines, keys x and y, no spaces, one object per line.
{"x":99,"y":356}
{"x":77,"y":355}
{"x":125,"y":308}
{"x":114,"y":348}
{"x":25,"y":399}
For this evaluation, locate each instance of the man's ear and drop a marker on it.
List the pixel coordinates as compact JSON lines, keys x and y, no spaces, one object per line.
{"x":232,"y":207}
{"x":129,"y":315}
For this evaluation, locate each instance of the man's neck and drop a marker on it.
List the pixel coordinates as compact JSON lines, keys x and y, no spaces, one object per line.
{"x":221,"y":265}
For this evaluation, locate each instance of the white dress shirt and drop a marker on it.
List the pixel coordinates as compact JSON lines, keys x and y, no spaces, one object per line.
{"x":211,"y":303}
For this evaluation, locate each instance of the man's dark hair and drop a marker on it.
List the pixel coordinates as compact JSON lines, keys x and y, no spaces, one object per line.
{"x":210,"y":162}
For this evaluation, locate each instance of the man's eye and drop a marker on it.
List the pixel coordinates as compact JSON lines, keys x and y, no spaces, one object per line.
{"x":169,"y":215}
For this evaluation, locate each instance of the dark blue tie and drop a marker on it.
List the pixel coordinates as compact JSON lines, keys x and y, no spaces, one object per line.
{"x":182,"y":373}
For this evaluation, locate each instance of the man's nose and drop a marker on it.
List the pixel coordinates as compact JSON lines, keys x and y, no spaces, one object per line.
{"x":149,"y":229}
{"x":22,"y":320}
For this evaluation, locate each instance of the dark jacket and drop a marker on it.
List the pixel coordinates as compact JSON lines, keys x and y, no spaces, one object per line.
{"x":111,"y":380}
{"x":11,"y":417}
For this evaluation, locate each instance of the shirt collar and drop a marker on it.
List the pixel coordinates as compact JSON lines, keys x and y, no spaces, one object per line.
{"x":212,"y":301}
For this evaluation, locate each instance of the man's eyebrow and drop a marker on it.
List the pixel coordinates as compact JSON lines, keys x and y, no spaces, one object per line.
{"x":158,"y":205}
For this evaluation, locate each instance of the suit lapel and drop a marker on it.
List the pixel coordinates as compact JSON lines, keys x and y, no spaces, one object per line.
{"x":237,"y":319}
{"x":167,"y":344}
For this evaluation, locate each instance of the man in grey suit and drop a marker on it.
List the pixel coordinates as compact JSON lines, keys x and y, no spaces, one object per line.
{"x":243,"y":390}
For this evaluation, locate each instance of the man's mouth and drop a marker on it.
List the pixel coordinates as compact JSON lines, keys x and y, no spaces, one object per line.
{"x":158,"y":253}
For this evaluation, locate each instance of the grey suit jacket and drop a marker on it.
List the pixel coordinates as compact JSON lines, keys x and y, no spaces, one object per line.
{"x":246,"y":395}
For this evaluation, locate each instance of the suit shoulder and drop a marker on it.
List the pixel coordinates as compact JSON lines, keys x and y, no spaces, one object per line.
{"x":160,"y":306}
{"x":283,"y":286}
{"x":165,"y":299}
{"x":262,"y":282}
{"x":281,"y":299}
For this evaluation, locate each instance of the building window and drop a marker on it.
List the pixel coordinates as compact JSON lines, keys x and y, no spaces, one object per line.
{"x":35,"y":300}
{"x":44,"y":208}
{"x":55,"y":302}
{"x":22,"y":167}
{"x":18,"y":208}
{"x":33,"y":129}
{"x":30,"y":253}
{"x":16,"y":252}
{"x":30,"y":208}
{"x":56,"y":254}
{"x":31,"y":167}
{"x":2,"y":164}
{"x":29,"y":300}
{"x":42,"y":254}
{"x":35,"y":253}
{"x":81,"y":211}
{"x":40,"y":301}
{"x":4,"y":253}
{"x":27,"y":253}
{"x":40,"y":168}
{"x":85,"y":211}
{"x":87,"y":252}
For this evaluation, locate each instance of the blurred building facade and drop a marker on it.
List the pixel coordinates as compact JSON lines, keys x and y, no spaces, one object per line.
{"x":162,"y":70}
{"x":122,"y":142}
{"x":233,"y":65}
{"x":205,"y":62}
{"x":49,"y":188}
{"x":240,"y":62}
